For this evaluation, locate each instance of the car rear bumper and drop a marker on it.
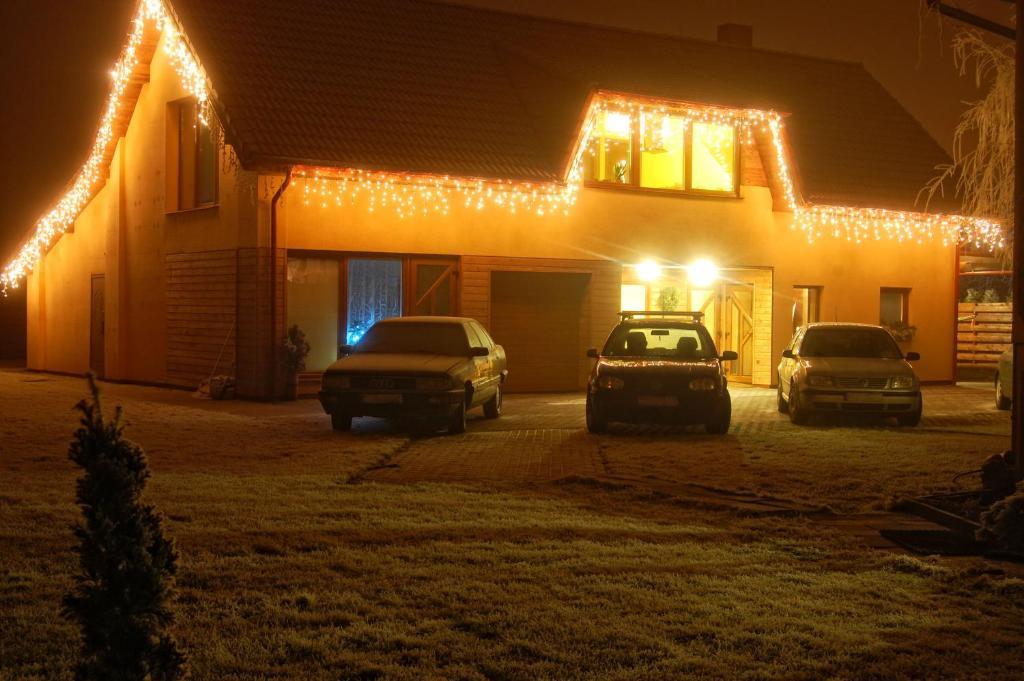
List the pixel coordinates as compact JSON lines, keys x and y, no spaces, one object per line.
{"x":688,"y":408}
{"x":861,"y":401}
{"x":391,"y":404}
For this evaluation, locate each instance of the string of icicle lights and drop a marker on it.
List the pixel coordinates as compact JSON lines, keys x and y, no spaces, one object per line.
{"x":410,"y":194}
{"x":91,"y":176}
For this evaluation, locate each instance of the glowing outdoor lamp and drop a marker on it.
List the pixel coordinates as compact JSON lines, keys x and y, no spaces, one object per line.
{"x":648,"y":270}
{"x":703,"y":273}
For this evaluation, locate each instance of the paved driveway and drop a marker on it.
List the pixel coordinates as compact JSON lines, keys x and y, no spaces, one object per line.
{"x":539,"y":440}
{"x":542,"y":438}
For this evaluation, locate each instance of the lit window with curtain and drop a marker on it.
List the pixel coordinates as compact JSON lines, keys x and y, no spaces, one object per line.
{"x":612,"y":156}
{"x":662,"y":151}
{"x":713,"y":159}
{"x":665,"y":151}
{"x":374,"y":293}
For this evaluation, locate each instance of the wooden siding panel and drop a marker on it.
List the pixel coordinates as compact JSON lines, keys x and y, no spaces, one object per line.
{"x":201,"y":315}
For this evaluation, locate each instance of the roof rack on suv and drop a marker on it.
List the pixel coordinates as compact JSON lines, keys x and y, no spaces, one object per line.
{"x":632,"y":314}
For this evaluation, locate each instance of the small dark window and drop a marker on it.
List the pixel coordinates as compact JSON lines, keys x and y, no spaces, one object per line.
{"x":807,"y":306}
{"x":894,"y":307}
{"x":192,"y":172}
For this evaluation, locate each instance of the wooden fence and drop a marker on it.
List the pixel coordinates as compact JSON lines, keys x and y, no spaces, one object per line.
{"x":983,"y":333}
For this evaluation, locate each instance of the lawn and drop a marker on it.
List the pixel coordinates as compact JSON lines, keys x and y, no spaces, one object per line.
{"x":289,"y":570}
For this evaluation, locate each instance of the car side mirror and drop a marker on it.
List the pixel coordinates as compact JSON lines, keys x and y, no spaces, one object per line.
{"x":479,"y":351}
{"x":344,"y":350}
{"x":729,"y":356}
{"x":912,"y":356}
{"x":592,"y":353}
{"x":788,"y":354}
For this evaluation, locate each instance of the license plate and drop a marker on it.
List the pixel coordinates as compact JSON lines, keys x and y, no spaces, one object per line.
{"x":388,"y":398}
{"x":657,"y":401}
{"x":862,"y":397}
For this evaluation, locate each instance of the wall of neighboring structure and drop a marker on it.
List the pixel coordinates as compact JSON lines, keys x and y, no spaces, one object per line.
{"x":629,"y":226}
{"x":170,"y":278}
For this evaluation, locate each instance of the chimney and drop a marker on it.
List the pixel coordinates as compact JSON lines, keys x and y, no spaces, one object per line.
{"x":738,"y":35}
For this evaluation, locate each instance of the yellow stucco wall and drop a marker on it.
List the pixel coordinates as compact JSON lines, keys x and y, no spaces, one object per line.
{"x":125,"y":234}
{"x":630,"y":226}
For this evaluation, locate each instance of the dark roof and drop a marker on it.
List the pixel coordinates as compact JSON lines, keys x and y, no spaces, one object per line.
{"x":422,"y":86}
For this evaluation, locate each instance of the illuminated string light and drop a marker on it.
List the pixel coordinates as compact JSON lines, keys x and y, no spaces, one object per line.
{"x":91,"y":177}
{"x":421,"y":194}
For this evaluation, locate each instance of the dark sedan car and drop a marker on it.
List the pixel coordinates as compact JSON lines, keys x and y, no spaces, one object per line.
{"x":425,"y":368}
{"x":659,"y":368}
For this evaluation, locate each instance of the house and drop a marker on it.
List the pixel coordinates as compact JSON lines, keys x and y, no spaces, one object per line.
{"x":327,"y":163}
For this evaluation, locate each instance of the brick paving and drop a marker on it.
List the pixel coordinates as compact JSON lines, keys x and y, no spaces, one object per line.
{"x":542,"y":438}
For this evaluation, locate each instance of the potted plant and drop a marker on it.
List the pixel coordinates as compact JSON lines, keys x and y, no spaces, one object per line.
{"x":902,"y":332}
{"x":295,"y":351}
{"x":668,"y":299}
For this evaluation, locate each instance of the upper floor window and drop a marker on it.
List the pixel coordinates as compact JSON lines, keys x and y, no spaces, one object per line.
{"x":192,"y":176}
{"x":663,"y":151}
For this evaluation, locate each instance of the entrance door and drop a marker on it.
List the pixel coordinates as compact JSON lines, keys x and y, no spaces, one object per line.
{"x":97,"y":328}
{"x":432,"y":287}
{"x":728,"y":310}
{"x":736,"y":329}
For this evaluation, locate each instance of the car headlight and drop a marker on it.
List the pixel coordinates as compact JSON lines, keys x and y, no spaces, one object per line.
{"x":610,"y":383}
{"x":336,"y":382}
{"x":819,"y":380}
{"x":432,"y":383}
{"x":706,"y":383}
{"x":902,"y":382}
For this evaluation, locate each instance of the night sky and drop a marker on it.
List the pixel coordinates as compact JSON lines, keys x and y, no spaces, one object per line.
{"x":57,"y":54}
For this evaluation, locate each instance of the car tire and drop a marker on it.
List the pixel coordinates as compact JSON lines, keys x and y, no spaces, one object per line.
{"x":782,"y":403}
{"x":492,"y":407}
{"x":457,"y":421}
{"x":723,"y":417}
{"x":341,"y":422}
{"x":798,"y":414}
{"x":913,"y":418}
{"x":595,"y":423}
{"x":1002,"y":401}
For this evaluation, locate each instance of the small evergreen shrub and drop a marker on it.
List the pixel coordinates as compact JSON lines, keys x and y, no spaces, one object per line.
{"x":126,"y":565}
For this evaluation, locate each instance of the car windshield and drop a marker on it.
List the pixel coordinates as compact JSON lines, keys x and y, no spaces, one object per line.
{"x":426,"y":338}
{"x":849,"y":342}
{"x":669,"y":342}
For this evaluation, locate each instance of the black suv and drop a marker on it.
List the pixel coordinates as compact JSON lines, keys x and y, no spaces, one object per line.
{"x":659,"y":367}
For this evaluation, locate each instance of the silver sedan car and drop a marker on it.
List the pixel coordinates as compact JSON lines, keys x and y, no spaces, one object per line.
{"x":848,"y":368}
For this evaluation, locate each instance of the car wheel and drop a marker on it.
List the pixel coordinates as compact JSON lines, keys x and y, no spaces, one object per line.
{"x":1002,"y":401}
{"x":341,"y":421}
{"x":913,"y":418}
{"x":595,"y":424}
{"x":797,"y":412}
{"x":492,"y":407}
{"x":720,"y":426}
{"x":457,"y":421}
{"x":783,"y":405}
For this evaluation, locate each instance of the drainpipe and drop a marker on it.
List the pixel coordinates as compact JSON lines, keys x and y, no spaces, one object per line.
{"x":273,"y":281}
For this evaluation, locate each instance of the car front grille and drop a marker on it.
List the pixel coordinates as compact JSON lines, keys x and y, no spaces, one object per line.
{"x":872,"y":383}
{"x":384,"y":382}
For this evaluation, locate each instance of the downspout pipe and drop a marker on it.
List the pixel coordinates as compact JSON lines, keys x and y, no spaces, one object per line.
{"x":273,"y":282}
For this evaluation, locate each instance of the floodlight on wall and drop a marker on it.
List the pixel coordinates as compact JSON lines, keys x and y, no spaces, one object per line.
{"x":648,"y":270}
{"x":702,"y":273}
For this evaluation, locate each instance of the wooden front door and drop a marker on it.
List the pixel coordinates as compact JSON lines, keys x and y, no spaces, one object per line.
{"x":736,"y":328}
{"x":97,"y":328}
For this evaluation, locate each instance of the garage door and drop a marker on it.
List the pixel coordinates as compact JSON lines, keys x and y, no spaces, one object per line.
{"x":536,"y":317}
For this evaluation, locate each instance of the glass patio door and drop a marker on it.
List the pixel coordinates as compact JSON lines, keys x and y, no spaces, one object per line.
{"x":737,"y":329}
